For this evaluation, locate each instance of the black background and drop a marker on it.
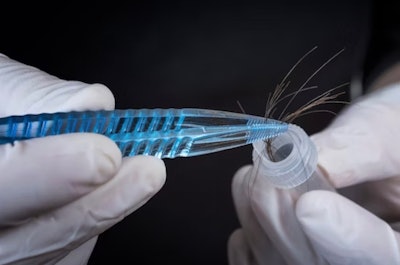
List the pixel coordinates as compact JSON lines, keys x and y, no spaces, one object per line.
{"x":190,"y":54}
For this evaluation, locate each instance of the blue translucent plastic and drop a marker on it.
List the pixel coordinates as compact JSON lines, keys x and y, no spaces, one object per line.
{"x":164,"y":133}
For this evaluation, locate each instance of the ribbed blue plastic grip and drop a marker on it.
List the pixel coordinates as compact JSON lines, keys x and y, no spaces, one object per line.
{"x":158,"y":132}
{"x":103,"y":122}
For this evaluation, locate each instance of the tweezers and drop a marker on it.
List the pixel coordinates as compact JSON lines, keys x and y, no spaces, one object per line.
{"x":164,"y":133}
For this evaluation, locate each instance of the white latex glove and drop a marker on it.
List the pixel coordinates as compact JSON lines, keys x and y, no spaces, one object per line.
{"x":359,"y":149}
{"x":58,"y":193}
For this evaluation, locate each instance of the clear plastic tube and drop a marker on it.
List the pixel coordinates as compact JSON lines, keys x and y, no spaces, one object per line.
{"x":294,"y":172}
{"x":295,"y":164}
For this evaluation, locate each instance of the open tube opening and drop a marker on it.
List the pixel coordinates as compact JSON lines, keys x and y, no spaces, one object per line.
{"x":295,"y":158}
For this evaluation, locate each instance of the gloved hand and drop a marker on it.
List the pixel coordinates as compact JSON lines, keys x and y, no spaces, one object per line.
{"x":355,"y":225}
{"x":58,"y":193}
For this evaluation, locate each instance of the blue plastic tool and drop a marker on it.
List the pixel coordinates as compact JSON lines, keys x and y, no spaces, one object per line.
{"x":164,"y":133}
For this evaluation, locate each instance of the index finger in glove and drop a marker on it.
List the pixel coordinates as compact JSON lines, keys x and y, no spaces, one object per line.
{"x":362,"y":142}
{"x":252,"y":236}
{"x":26,"y":89}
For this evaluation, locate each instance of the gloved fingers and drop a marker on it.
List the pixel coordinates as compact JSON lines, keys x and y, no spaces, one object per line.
{"x":262,"y":249}
{"x":239,"y":251}
{"x":274,"y":210}
{"x":138,"y":179}
{"x":26,"y":89}
{"x":45,"y":173}
{"x":345,"y":233}
{"x":358,"y":146}
{"x":80,"y":255}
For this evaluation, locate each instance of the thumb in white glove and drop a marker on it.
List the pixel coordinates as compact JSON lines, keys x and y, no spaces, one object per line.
{"x":344,"y":232}
{"x":59,"y":192}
